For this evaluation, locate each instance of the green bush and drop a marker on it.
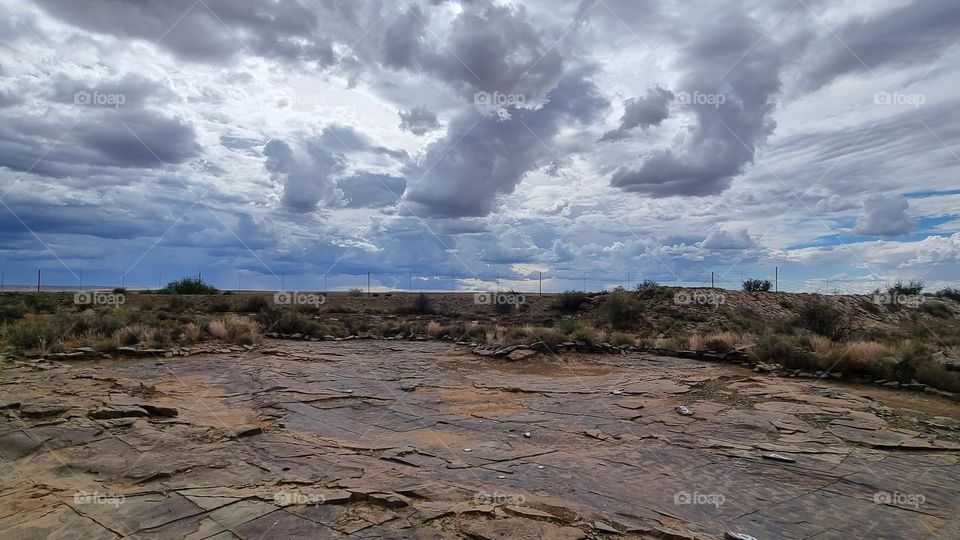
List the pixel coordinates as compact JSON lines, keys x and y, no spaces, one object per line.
{"x":937,"y":309}
{"x":189,"y":286}
{"x":757,"y":285}
{"x":422,"y":305}
{"x":569,"y":301}
{"x":12,"y":311}
{"x":947,"y":292}
{"x":786,"y":351}
{"x":819,"y":317}
{"x":618,"y":311}
{"x":255,"y":304}
{"x":914,"y":287}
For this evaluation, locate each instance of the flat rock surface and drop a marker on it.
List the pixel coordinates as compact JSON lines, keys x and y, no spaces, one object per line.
{"x":395,"y":439}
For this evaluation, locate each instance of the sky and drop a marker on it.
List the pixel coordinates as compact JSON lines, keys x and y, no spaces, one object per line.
{"x":443,"y":144}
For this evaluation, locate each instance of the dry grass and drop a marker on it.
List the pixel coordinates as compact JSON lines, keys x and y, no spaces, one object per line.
{"x":218,"y":328}
{"x":136,"y":334}
{"x":434,"y":329}
{"x":190,"y":333}
{"x":857,"y":356}
{"x":237,"y":330}
{"x":718,"y":341}
{"x":821,"y":345}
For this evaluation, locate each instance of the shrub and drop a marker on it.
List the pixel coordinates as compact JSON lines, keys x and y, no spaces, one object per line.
{"x":647,"y":285}
{"x":356,"y":291}
{"x":290,"y":322}
{"x":821,"y":318}
{"x":622,"y":338}
{"x":589,"y":334}
{"x":618,"y":311}
{"x":947,"y":292}
{"x":12,"y":311}
{"x":119,"y":290}
{"x":255,"y":304}
{"x":188,"y":286}
{"x":422,"y":305}
{"x":786,"y":351}
{"x":569,"y":301}
{"x":220,"y":306}
{"x":914,"y":287}
{"x":937,"y":309}
{"x":757,"y":285}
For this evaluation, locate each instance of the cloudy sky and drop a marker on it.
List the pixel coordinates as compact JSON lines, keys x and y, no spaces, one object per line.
{"x":442,"y":139}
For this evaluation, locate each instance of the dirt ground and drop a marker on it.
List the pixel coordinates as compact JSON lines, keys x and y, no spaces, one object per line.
{"x":399,"y":439}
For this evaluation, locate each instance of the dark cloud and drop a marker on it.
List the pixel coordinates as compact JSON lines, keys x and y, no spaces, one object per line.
{"x":490,"y":48}
{"x":912,"y":33}
{"x":647,"y":111}
{"x":885,"y":215}
{"x":100,"y":139}
{"x":213,"y":30}
{"x":483,"y":156}
{"x":307,"y":173}
{"x":731,"y":78}
{"x":369,"y":190}
{"x":419,"y":121}
{"x":311,"y":170}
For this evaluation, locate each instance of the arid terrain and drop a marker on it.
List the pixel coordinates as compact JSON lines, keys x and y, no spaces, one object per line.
{"x":422,"y":439}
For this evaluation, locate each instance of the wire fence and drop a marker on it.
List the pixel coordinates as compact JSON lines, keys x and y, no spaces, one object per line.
{"x":782,"y":279}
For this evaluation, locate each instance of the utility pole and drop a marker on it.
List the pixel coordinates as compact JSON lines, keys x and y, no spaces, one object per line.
{"x":453,"y":281}
{"x":584,"y":282}
{"x":628,"y":280}
{"x":498,"y":282}
{"x":711,"y":280}
{"x":1,"y":280}
{"x":368,"y":284}
{"x":776,"y":279}
{"x":541,"y":283}
{"x":38,"y":280}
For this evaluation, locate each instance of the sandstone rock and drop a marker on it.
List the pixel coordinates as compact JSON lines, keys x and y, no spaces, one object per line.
{"x":108,"y":413}
{"x":521,"y":354}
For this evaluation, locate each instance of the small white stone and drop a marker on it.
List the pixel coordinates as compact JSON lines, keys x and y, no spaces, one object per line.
{"x":501,"y":476}
{"x":467,"y":449}
{"x":527,"y":434}
{"x":539,"y":466}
